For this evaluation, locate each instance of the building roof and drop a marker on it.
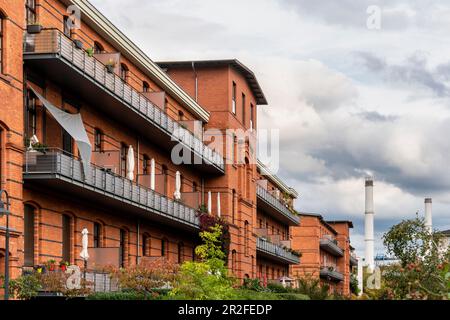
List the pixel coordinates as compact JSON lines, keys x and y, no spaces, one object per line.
{"x":322,"y":220}
{"x":276,"y":180}
{"x":239,"y":66}
{"x":98,"y":22}
{"x":446,"y":232}
{"x":350,"y":223}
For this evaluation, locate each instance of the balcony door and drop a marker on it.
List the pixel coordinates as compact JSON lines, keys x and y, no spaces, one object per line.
{"x":67,"y":143}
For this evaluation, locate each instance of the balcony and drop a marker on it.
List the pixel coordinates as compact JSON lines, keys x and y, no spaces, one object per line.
{"x":57,"y":58}
{"x":331,"y":273}
{"x":353,"y":260}
{"x":54,"y":169}
{"x":330,"y":245}
{"x":275,"y":252}
{"x":271,"y":205}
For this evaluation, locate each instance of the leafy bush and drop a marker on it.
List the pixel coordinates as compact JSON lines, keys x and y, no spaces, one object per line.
{"x":293,"y":296}
{"x":312,"y":288}
{"x":278,"y":288}
{"x":25,"y":287}
{"x":253,"y":284}
{"x":120,"y":295}
{"x":246,"y":294}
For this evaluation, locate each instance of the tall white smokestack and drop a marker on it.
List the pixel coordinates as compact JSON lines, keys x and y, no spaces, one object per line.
{"x":368,"y":226}
{"x":428,"y":214}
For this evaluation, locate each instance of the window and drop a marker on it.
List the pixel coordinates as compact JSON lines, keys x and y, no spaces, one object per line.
{"x":234,"y":261}
{"x":122,"y":248}
{"x":146,"y":165}
{"x":193,"y":254}
{"x":67,"y":26}
{"x":233,"y":99}
{"x":165,"y":173}
{"x":145,"y":87}
{"x":123,"y":159}
{"x":194,"y":187}
{"x":163,"y":247}
{"x":2,"y":27}
{"x":124,"y":71}
{"x":66,"y":237}
{"x":252,"y":124}
{"x":98,"y":48}
{"x":246,"y":237}
{"x":180,"y":115}
{"x":98,"y":137}
{"x":28,"y":236}
{"x":233,"y":208}
{"x":97,"y":235}
{"x":67,"y":143}
{"x":31,"y":114}
{"x":180,"y":252}
{"x":243,"y":109}
{"x":30,"y":8}
{"x":145,"y":248}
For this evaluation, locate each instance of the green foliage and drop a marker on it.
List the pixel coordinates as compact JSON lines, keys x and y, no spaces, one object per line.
{"x":254,"y":285}
{"x":211,"y":248}
{"x":25,"y":287}
{"x":421,"y":273}
{"x":203,"y":281}
{"x":293,"y":296}
{"x":354,"y":284}
{"x":312,"y":288}
{"x":123,"y":295}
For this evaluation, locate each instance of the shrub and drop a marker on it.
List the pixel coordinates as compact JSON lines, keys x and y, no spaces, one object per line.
{"x":293,"y":296}
{"x":246,"y":294}
{"x":25,"y":287}
{"x":312,"y":288}
{"x":119,"y":295}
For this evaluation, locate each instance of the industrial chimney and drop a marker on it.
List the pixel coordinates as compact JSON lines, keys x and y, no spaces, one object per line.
{"x":368,"y":224}
{"x":428,"y":214}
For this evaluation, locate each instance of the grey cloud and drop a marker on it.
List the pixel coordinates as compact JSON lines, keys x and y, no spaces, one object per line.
{"x":374,"y":116}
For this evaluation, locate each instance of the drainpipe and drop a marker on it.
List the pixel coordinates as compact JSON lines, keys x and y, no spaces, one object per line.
{"x":196,"y":81}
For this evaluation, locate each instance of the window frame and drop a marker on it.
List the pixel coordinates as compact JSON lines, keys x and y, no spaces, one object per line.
{"x":233,"y":98}
{"x":30,"y":8}
{"x":2,"y":27}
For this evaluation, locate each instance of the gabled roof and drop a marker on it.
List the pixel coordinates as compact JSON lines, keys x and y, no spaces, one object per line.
{"x":350,"y":223}
{"x":239,"y":66}
{"x":321,"y":219}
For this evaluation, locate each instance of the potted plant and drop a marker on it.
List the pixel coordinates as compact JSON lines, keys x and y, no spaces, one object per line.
{"x":34,"y":28}
{"x":90,"y":52}
{"x":63,"y":265}
{"x":51,"y":265}
{"x":110,"y":65}
{"x":78,"y":44}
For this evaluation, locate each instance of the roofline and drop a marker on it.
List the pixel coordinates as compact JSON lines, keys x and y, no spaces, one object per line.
{"x":321,"y":219}
{"x":276,"y":180}
{"x":350,"y":223}
{"x":95,"y":19}
{"x":239,"y":66}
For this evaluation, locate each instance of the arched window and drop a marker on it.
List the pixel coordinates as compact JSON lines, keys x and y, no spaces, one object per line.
{"x":180,"y":252}
{"x":98,"y":139}
{"x":31,"y":115}
{"x":246,"y":236}
{"x":123,"y":248}
{"x":164,"y":247}
{"x":30,"y":8}
{"x":234,"y":261}
{"x":145,"y":86}
{"x":124,"y":71}
{"x":248,"y":178}
{"x":66,"y":237}
{"x":2,"y":27}
{"x":97,"y":233}
{"x":28,"y":235}
{"x":146,"y":165}
{"x":98,"y":48}
{"x":145,"y":245}
{"x":180,"y":115}
{"x":165,"y":173}
{"x":194,"y":187}
{"x":123,"y":159}
{"x":233,"y":207}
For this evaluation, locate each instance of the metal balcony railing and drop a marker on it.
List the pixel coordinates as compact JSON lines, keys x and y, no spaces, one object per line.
{"x":353,"y":260}
{"x":54,"y":164}
{"x":52,"y":41}
{"x":330,"y":245}
{"x":276,"y":204}
{"x":331,"y":273}
{"x":276,"y":251}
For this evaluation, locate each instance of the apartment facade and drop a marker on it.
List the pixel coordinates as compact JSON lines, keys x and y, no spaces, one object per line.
{"x":326,"y":251}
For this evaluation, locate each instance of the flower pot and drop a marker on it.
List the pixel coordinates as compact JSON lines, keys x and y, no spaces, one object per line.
{"x":52,"y":267}
{"x":78,"y":44}
{"x":34,"y":28}
{"x":63,"y":268}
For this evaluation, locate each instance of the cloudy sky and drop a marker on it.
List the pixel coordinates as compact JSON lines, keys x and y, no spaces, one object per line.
{"x":349,"y":100}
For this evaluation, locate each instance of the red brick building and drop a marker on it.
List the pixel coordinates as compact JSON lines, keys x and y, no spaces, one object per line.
{"x":86,"y":95}
{"x":326,"y":251}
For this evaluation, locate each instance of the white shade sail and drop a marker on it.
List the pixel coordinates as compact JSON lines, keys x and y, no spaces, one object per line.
{"x":73,"y":124}
{"x":177,"y":193}
{"x":218,"y":204}
{"x":84,"y":244}
{"x":209,"y":202}
{"x":152,"y":174}
{"x":130,"y":163}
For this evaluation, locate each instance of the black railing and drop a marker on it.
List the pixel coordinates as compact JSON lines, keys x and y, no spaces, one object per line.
{"x":276,"y":251}
{"x":264,"y":195}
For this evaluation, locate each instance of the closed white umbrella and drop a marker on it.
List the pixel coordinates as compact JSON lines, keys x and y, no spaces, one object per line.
{"x":218,"y":204}
{"x":130,"y":163}
{"x":84,"y":244}
{"x":177,"y":193}
{"x":152,"y":174}
{"x":209,"y":202}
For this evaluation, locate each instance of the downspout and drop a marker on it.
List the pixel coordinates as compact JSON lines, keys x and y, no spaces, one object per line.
{"x":196,"y":81}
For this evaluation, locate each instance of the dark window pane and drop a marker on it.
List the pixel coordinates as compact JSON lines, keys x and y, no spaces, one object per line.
{"x":29,"y":236}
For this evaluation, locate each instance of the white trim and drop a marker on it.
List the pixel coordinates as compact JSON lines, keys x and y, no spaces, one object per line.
{"x":96,"y":20}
